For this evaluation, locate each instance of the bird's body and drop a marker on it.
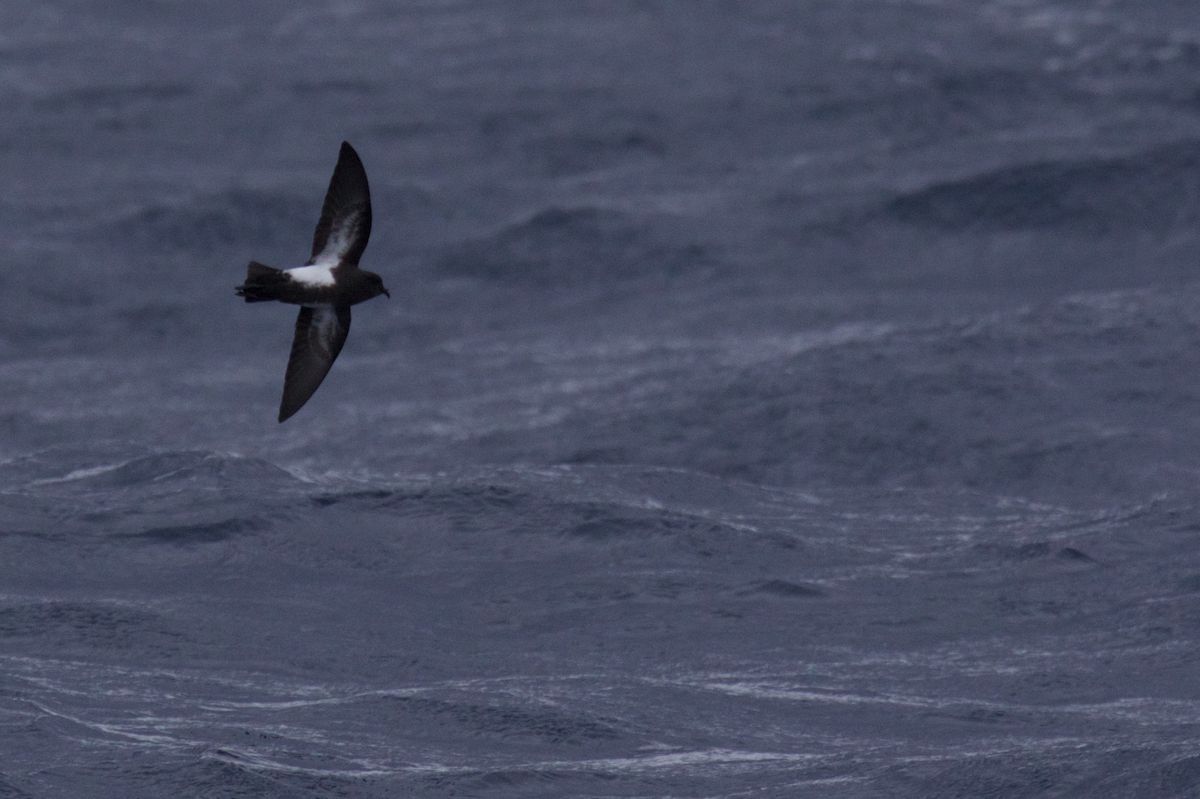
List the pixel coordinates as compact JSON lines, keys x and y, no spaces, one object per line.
{"x":326,"y":286}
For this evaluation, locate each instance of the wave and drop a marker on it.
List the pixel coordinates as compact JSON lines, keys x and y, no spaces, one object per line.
{"x":206,"y":533}
{"x":97,"y":98}
{"x":122,"y":466}
{"x":1090,"y":394}
{"x":568,"y":245}
{"x":1152,"y":190}
{"x":237,"y":217}
{"x":94,"y":623}
{"x":125,"y":494}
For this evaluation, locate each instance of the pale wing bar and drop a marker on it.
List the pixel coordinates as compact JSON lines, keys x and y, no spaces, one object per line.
{"x":345,"y":224}
{"x":320,"y":334}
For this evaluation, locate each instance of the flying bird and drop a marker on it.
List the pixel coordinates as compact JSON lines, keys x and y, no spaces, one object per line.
{"x":326,"y":286}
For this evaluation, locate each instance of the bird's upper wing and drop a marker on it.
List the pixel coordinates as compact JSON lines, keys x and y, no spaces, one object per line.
{"x":320,"y":334}
{"x":345,"y":224}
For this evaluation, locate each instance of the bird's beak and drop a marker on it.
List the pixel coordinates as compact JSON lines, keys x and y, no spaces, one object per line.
{"x":387,"y":293}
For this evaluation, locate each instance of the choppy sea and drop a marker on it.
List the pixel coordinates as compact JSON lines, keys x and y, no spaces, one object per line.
{"x":778,"y":398}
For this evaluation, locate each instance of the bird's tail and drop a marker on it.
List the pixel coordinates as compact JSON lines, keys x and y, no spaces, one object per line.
{"x":262,"y":283}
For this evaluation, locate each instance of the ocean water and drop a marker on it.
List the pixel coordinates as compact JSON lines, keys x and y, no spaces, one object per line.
{"x":776,"y":399}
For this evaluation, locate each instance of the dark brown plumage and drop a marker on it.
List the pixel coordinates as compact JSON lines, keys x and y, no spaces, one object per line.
{"x":326,"y":286}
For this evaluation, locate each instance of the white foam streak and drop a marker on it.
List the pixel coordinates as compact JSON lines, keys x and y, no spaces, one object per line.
{"x":81,"y":474}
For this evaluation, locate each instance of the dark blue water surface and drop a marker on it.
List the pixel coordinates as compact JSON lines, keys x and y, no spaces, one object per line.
{"x":776,"y":399}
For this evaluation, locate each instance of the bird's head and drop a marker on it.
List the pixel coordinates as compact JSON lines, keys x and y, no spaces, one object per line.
{"x":376,"y":284}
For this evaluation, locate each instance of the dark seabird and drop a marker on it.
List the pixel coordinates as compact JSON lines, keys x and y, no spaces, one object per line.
{"x":326,"y":286}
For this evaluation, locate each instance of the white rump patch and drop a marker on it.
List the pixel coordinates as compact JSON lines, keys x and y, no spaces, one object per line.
{"x":312,"y":275}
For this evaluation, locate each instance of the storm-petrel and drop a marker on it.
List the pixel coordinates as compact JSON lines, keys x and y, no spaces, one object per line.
{"x":326,"y":286}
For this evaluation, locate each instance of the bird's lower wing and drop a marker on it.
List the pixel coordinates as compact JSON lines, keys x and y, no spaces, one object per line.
{"x":320,"y":334}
